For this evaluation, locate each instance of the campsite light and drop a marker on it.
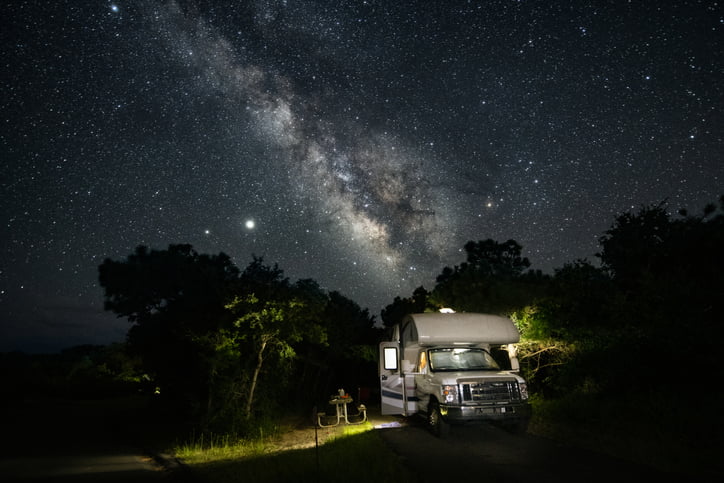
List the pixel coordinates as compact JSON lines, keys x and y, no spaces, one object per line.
{"x":446,"y":310}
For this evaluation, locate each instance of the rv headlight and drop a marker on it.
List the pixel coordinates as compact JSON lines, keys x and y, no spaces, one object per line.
{"x":523,"y":390}
{"x":449,"y":394}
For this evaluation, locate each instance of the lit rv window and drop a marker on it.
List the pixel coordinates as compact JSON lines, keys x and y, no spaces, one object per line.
{"x":390,"y":355}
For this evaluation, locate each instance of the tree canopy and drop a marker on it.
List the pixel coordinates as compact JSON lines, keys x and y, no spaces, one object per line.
{"x":206,"y":332}
{"x":226,"y":344}
{"x":493,"y":279}
{"x":656,"y":292}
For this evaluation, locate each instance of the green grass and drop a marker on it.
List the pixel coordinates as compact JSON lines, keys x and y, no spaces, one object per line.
{"x":647,"y":429}
{"x":357,"y":455}
{"x":210,"y":448}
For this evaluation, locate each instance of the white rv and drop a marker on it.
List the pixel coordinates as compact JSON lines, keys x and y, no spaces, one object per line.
{"x":439,"y":365}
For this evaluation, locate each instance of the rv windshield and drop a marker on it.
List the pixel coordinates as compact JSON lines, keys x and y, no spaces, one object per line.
{"x":467,"y":359}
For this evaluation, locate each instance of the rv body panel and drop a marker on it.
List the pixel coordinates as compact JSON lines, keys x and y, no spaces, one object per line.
{"x":397,"y":389}
{"x":446,"y":358}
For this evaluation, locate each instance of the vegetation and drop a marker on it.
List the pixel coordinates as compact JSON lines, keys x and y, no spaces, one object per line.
{"x":610,"y":349}
{"x":358,"y":455}
{"x":82,"y":372}
{"x":617,"y":349}
{"x":226,"y":348}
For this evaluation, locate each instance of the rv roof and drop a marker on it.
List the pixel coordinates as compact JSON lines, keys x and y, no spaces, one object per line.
{"x":463,"y":328}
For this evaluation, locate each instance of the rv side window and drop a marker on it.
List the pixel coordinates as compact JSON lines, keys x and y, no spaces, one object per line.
{"x":390,"y":355}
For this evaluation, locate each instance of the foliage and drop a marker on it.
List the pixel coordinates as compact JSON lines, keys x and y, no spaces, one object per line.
{"x":645,"y":317}
{"x":275,"y":325}
{"x":418,"y":303}
{"x":657,"y":263}
{"x":361,"y":457}
{"x":222,"y":345}
{"x":230,"y":345}
{"x":492,"y":280}
{"x":175,"y":300}
{"x":644,"y":321}
{"x":81,"y":372}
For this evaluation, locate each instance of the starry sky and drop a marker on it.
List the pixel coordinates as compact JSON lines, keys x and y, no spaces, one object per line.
{"x":358,"y":143}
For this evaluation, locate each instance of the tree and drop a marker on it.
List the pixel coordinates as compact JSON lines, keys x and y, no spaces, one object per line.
{"x":175,"y":300}
{"x":489,"y":258}
{"x":632,"y":248}
{"x":273,"y":316}
{"x":492,"y":280}
{"x":172,"y":281}
{"x":577,"y":301}
{"x":207,"y":334}
{"x":657,"y":296}
{"x":667,"y":269}
{"x":393,"y":313}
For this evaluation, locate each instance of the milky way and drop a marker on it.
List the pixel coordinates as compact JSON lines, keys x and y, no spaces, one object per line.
{"x":367,"y":141}
{"x":372,"y":192}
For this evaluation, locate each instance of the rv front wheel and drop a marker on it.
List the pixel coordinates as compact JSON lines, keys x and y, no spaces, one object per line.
{"x":438,"y":426}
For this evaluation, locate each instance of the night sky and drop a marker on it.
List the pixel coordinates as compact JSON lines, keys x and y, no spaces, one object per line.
{"x":357,"y":143}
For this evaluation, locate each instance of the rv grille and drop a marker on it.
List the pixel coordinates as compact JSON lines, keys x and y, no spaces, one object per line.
{"x":492,"y":391}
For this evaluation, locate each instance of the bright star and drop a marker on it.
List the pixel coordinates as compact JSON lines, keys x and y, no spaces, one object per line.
{"x":250,"y":224}
{"x":114,"y":8}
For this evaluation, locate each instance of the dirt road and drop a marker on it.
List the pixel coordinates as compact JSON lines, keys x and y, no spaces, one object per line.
{"x":485,"y":452}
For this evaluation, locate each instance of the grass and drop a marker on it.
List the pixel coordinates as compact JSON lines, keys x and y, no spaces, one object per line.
{"x":649,"y":429}
{"x":356,"y":455}
{"x":212,"y":448}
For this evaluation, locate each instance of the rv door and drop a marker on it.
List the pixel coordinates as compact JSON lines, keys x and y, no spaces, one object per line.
{"x":391,"y":385}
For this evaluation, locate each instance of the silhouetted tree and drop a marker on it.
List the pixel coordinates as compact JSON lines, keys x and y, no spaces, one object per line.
{"x":492,"y":280}
{"x":489,"y":258}
{"x":393,"y":313}
{"x":656,"y":295}
{"x":667,"y":269}
{"x":175,"y":299}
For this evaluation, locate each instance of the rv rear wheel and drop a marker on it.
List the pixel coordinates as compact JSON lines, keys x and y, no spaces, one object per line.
{"x":438,"y":426}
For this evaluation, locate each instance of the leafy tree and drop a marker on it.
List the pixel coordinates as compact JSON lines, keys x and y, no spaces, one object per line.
{"x":668,"y":270}
{"x":393,"y":313}
{"x":634,"y":245}
{"x":492,"y":280}
{"x":175,"y":300}
{"x":576,"y":301}
{"x":668,"y":274}
{"x":656,"y":296}
{"x":351,"y":359}
{"x":273,"y":316}
{"x":489,"y":258}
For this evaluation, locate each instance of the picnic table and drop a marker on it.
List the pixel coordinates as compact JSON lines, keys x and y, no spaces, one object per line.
{"x":340,"y":403}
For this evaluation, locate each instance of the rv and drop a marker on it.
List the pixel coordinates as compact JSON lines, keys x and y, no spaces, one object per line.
{"x":440,"y":365}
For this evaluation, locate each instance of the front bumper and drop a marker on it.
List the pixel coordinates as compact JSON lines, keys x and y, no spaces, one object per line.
{"x":498,"y":412}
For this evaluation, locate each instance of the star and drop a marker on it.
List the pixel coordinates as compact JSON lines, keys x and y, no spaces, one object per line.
{"x":391,"y":142}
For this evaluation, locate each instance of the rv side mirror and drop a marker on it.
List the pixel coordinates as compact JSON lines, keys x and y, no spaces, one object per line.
{"x":390,"y":358}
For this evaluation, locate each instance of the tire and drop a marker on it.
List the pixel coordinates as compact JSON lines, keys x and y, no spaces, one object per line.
{"x":438,"y":426}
